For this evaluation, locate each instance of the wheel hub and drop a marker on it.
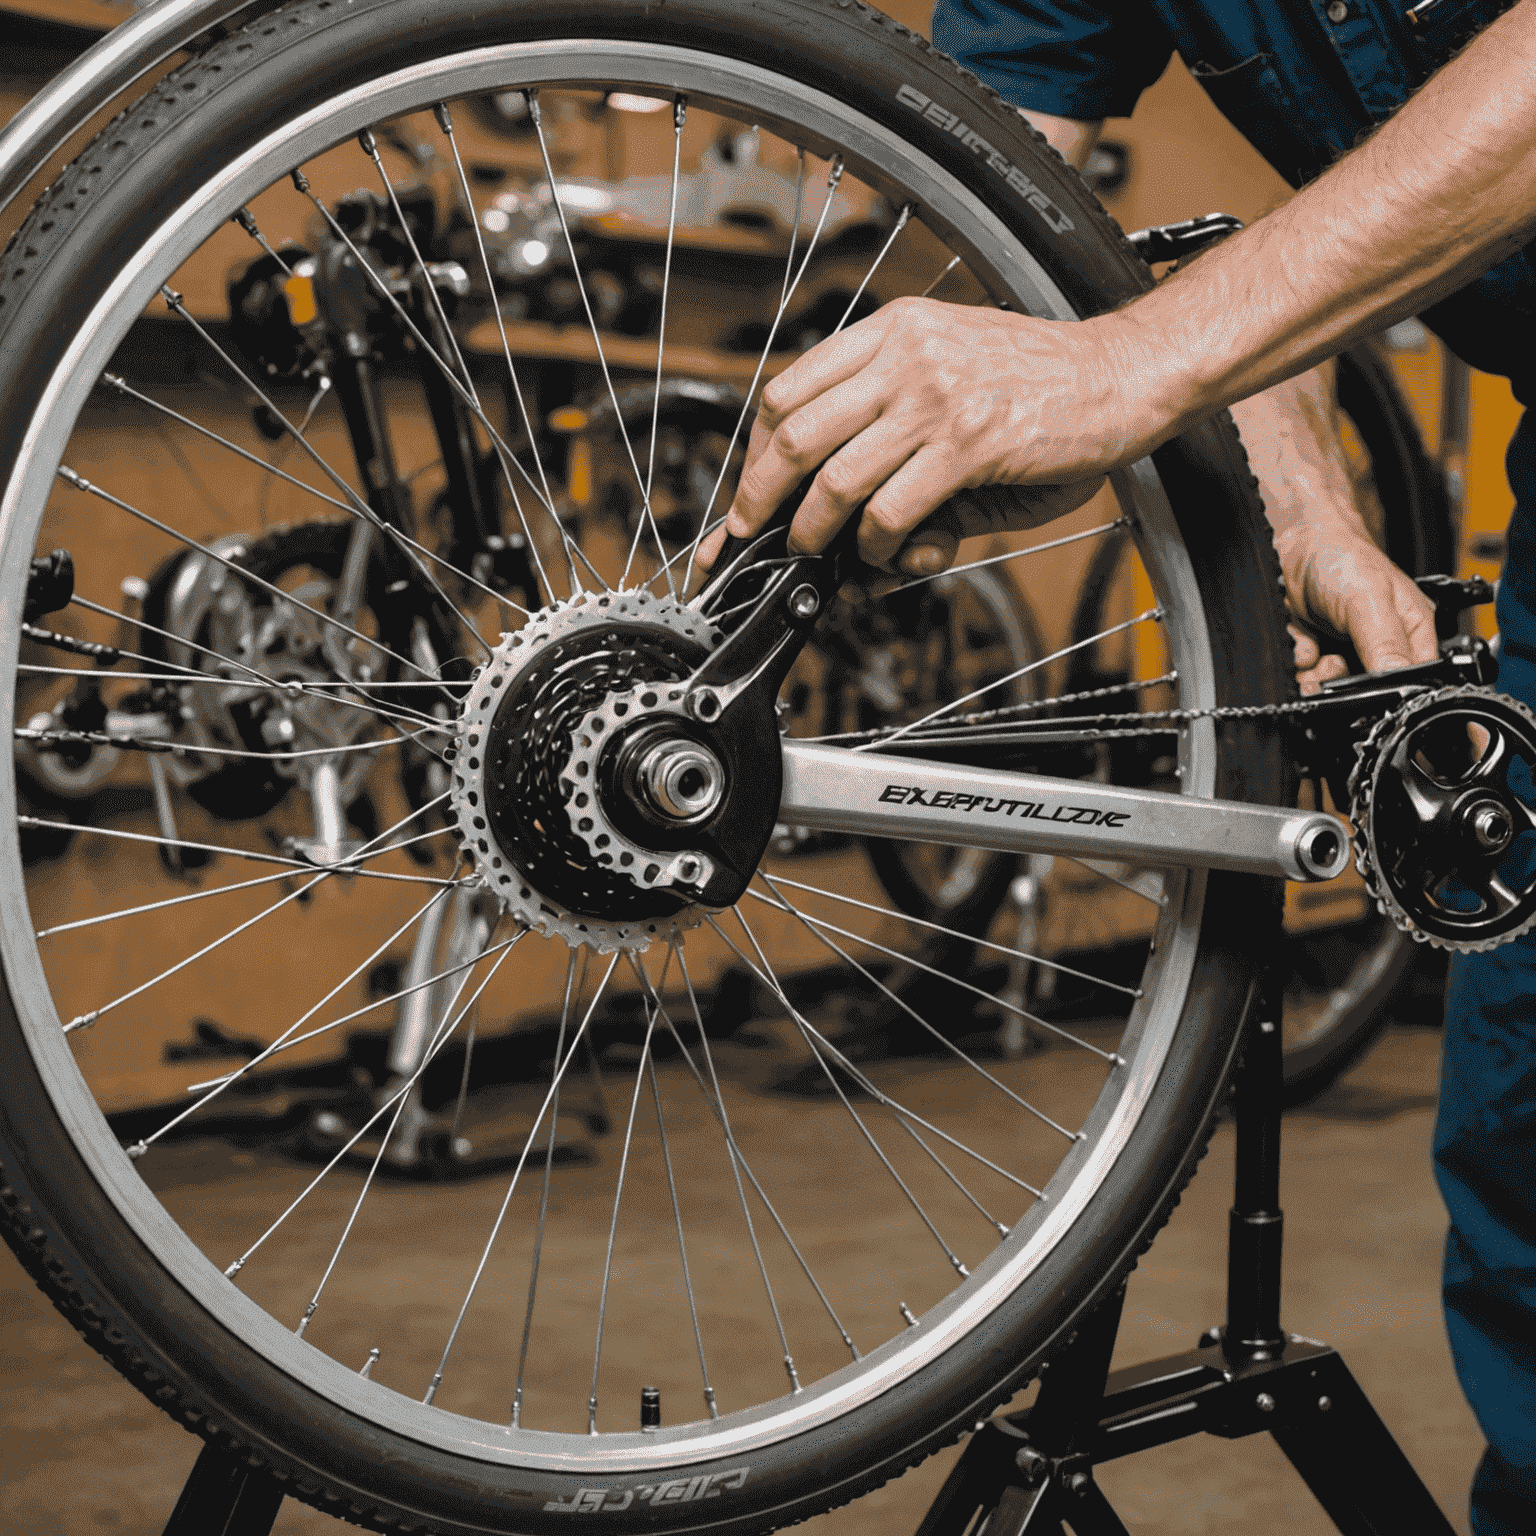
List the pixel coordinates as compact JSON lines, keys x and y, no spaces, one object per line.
{"x":562,"y":780}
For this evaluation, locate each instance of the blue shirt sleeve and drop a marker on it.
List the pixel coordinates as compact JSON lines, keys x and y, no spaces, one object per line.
{"x":1070,"y":58}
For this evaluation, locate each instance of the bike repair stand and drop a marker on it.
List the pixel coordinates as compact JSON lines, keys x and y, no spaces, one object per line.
{"x":1032,"y":1472}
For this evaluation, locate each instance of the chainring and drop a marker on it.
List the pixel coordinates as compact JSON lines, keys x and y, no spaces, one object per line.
{"x":1415,"y":809}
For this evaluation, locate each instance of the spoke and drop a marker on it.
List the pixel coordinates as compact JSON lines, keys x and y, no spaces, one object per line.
{"x":220,"y":1084}
{"x":517,"y":1173}
{"x":255,"y":855}
{"x":618,"y":1199}
{"x":400,"y":995}
{"x":258,"y":678}
{"x":358,"y":506}
{"x":504,"y":454}
{"x":679,"y":115}
{"x":444,"y":1029}
{"x":176,"y":901}
{"x":834,"y":176}
{"x":81,"y":484}
{"x":247,"y":221}
{"x":853,"y":1114}
{"x":1101,"y":867}
{"x":538,"y":1234}
{"x":912,"y":1013}
{"x":155,"y":744}
{"x":864,"y":1082}
{"x":954,"y":261}
{"x":682,"y":1246}
{"x":1014,"y":954}
{"x":123,"y":387}
{"x":445,"y":122}
{"x":536,"y":116}
{"x":370,"y":147}
{"x":983,"y":718}
{"x":1013,"y":554}
{"x":965,"y":986}
{"x":85,"y":1020}
{"x":1024,"y":671}
{"x":398,"y":1095}
{"x":890,"y":240}
{"x":716,"y":1102}
{"x":173,"y":673}
{"x":794,"y":222}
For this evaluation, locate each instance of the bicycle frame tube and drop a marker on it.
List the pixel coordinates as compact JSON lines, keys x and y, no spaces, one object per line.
{"x":905,"y":797}
{"x":105,"y":69}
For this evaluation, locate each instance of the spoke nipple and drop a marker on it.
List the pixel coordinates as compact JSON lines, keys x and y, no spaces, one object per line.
{"x":370,"y":145}
{"x":137,"y":1150}
{"x":444,"y":120}
{"x":794,"y":1377}
{"x":906,"y":1312}
{"x":171,"y":297}
{"x":679,"y":112}
{"x":592,"y":1415}
{"x":960,"y":1268}
{"x":437,"y":1381}
{"x":709,"y":1402}
{"x":84,"y":1021}
{"x":234,"y":1269}
{"x":300,"y":180}
{"x":531,"y":96}
{"x":517,"y":1409}
{"x":650,"y":1408}
{"x":373,"y":1359}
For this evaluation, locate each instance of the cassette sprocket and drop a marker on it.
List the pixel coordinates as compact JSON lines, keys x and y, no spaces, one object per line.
{"x":1443,"y":837}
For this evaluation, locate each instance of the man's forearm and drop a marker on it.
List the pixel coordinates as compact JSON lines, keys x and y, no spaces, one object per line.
{"x":1440,"y":193}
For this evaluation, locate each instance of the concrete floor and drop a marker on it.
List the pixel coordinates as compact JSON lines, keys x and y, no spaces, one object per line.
{"x":81,"y":1451}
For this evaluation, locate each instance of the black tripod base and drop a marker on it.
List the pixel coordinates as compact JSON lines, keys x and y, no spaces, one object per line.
{"x":225,"y":1496}
{"x":1307,"y":1399}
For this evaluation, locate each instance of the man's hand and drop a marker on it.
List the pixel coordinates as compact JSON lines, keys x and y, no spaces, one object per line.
{"x":1336,"y":578}
{"x":925,"y":399}
{"x":1340,"y":581}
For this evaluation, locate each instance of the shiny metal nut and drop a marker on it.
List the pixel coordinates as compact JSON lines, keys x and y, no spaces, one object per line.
{"x":682,"y":779}
{"x":1493,"y":827}
{"x":804,"y":601}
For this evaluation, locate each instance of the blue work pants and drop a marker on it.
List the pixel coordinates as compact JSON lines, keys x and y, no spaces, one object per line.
{"x":1485,"y":1136}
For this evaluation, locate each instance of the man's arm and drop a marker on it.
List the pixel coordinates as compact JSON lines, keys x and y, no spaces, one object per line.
{"x":923,"y":398}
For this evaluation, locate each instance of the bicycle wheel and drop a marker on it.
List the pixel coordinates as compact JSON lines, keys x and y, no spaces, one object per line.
{"x":482,"y":1370}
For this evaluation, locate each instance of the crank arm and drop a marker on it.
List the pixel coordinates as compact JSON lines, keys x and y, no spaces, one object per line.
{"x":832,"y":789}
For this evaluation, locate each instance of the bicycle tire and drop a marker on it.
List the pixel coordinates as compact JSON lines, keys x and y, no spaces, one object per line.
{"x":150,"y":189}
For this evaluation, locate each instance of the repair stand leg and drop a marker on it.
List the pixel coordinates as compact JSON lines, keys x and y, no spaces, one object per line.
{"x":225,"y":1496}
{"x":1031,"y":1473}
